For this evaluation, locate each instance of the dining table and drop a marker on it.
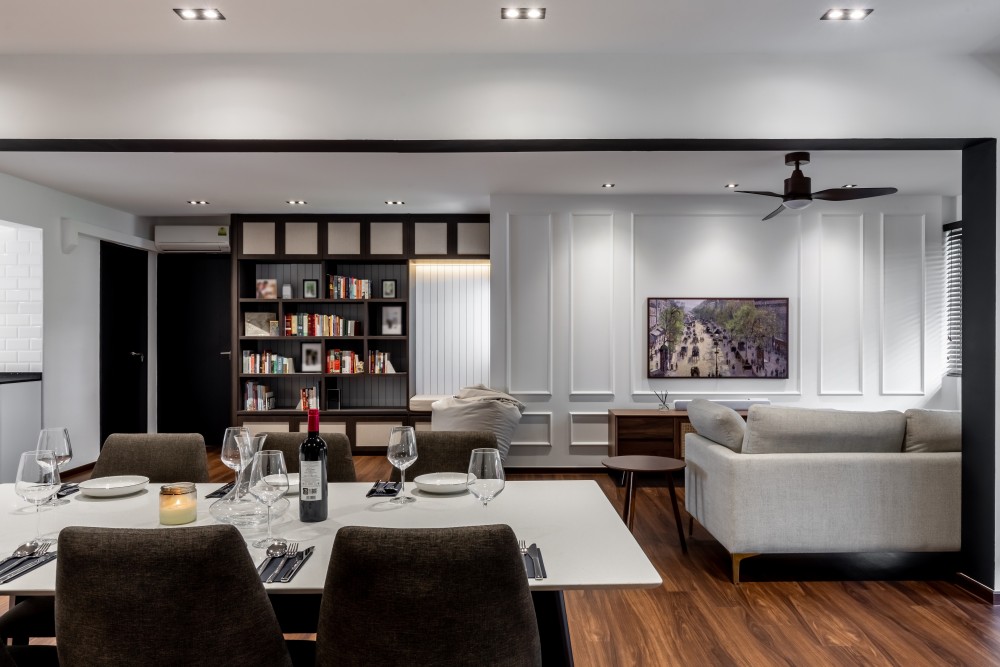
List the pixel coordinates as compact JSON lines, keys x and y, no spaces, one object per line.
{"x":581,"y":538}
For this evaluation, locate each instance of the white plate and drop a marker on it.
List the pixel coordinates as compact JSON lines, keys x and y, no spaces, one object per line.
{"x":443,"y":482}
{"x":293,"y":483}
{"x":107,"y":487}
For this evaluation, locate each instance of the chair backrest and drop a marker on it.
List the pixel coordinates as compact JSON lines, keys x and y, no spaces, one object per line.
{"x":446,"y":451}
{"x":182,"y":596}
{"x":339,"y":462}
{"x":427,"y":596}
{"x":162,"y":457}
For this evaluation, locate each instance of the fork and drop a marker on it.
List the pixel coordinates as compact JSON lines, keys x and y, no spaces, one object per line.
{"x":536,"y":565}
{"x":523,"y":546}
{"x":293,"y":548}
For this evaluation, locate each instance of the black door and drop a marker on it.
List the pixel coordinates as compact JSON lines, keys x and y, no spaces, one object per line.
{"x":193,"y":389}
{"x":124,"y":330}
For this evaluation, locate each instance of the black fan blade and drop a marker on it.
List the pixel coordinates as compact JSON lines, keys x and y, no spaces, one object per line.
{"x":846,"y":194}
{"x":759,"y":192}
{"x":773,"y":213}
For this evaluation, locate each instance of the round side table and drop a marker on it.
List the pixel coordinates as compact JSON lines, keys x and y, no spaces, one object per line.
{"x":633,"y":464}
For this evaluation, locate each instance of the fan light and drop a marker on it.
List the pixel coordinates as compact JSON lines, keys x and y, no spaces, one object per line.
{"x":522,"y":13}
{"x":846,"y":14}
{"x":200,"y":14}
{"x":796,"y":204}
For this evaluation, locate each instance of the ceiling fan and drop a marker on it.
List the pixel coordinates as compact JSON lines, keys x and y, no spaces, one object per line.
{"x":797,"y":189}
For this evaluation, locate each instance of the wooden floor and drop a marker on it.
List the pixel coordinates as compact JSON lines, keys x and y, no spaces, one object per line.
{"x":802,"y":611}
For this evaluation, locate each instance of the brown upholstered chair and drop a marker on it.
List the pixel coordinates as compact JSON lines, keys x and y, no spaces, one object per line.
{"x":339,"y":462}
{"x":446,"y":451}
{"x":427,"y":596}
{"x":28,"y":656}
{"x":162,"y":457}
{"x":182,"y":596}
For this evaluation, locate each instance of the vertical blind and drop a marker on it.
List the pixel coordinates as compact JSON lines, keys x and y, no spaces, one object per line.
{"x":451,"y":311}
{"x":953,"y":295}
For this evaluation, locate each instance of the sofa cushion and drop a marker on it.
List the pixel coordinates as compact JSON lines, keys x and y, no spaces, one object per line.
{"x":781,"y":430}
{"x":718,"y":423}
{"x":479,"y":408}
{"x":933,"y":431}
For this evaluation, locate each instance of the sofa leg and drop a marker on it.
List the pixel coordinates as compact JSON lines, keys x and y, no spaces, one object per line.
{"x":737,"y":559}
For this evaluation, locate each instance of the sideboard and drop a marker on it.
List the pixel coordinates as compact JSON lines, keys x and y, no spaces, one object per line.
{"x":652,"y":432}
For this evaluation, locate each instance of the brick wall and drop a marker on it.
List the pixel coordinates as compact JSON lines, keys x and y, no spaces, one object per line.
{"x":20,"y":298}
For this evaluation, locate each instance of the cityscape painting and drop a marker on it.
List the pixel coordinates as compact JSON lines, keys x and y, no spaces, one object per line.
{"x":717,"y":338}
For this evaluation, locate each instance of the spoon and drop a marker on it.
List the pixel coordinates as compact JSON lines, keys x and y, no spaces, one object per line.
{"x":26,"y":549}
{"x":276,"y":550}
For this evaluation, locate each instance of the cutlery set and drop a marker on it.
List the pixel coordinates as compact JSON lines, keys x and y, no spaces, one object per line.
{"x":25,"y":558}
{"x":289,"y":560}
{"x":532,"y":557}
{"x":385,"y":489}
{"x":222,"y":491}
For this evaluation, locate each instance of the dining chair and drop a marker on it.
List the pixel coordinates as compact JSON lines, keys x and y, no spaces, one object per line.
{"x":445,"y":451}
{"x":162,"y":457}
{"x":339,"y":462}
{"x":162,"y":596}
{"x":28,"y":656}
{"x":427,"y":596}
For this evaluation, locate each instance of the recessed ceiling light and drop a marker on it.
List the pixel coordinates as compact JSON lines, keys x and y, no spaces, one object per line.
{"x":849,"y":185}
{"x":732,"y":185}
{"x":296,"y":202}
{"x":522,"y":13}
{"x":393,"y":202}
{"x":200,"y":14}
{"x":846,"y":14}
{"x":607,"y":185}
{"x":197,"y":202}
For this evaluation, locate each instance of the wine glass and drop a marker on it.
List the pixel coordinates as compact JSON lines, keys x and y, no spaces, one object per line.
{"x":231,"y":455}
{"x":37,"y":481}
{"x":57,"y":440}
{"x":402,"y":452}
{"x":268,"y":482}
{"x":486,"y":478}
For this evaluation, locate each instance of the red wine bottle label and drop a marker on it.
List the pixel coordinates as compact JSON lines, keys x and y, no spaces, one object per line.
{"x":310,"y":480}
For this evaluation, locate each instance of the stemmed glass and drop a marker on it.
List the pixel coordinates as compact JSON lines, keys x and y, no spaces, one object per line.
{"x":37,"y":481}
{"x":486,"y":478}
{"x":231,"y":455}
{"x":56,"y":440}
{"x":268,"y":482}
{"x":402,"y":452}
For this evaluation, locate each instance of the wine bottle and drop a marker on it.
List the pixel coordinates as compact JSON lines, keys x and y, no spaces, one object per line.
{"x":313,"y":502}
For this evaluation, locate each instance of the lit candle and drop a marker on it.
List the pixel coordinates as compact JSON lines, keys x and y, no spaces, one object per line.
{"x":178,"y":503}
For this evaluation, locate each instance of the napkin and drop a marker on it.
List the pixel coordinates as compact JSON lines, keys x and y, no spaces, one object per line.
{"x":218,"y":493}
{"x":29,"y":564}
{"x":529,"y":564}
{"x":67,"y":490}
{"x":383,"y":489}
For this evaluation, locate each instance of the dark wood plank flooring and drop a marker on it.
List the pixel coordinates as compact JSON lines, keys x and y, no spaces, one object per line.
{"x":881,"y":609}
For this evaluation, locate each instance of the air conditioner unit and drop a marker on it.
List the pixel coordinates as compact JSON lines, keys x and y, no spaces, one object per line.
{"x":191,"y":238}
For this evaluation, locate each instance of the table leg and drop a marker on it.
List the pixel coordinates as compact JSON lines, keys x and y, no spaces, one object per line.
{"x":677,"y":512}
{"x":629,"y":511}
{"x":553,"y":629}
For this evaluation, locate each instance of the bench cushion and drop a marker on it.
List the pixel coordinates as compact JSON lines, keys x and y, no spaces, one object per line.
{"x":781,"y":430}
{"x":933,"y":431}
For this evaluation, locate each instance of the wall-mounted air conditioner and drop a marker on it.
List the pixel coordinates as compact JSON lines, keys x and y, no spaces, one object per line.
{"x":191,"y":238}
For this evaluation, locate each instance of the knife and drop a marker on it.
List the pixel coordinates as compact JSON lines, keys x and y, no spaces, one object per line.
{"x":30,"y":565}
{"x":536,"y":563}
{"x":301,"y":558}
{"x":13,"y":563}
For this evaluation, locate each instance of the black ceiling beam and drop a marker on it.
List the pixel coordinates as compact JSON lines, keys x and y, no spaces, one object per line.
{"x":472,"y":145}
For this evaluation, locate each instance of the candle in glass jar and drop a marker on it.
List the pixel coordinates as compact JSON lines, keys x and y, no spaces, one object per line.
{"x":178,"y":503}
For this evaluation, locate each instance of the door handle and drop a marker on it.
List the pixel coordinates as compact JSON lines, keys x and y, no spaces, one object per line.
{"x":226,"y":353}
{"x":142,"y":357}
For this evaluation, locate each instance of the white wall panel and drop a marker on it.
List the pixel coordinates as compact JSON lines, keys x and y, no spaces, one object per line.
{"x":902,"y":340}
{"x":588,"y":429}
{"x":535,"y":430}
{"x":841,"y":285}
{"x":591,"y":335}
{"x":529,"y":305}
{"x":451,"y":324}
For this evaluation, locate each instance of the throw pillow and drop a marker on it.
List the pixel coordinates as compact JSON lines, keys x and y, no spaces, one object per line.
{"x":933,"y":431}
{"x":718,"y":423}
{"x":781,"y":430}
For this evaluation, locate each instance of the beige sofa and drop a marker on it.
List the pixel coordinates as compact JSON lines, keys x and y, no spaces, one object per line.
{"x":793,"y":480}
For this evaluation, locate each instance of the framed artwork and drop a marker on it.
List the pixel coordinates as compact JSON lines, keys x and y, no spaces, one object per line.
{"x":310,"y":288}
{"x":312,"y":354}
{"x":717,"y":338}
{"x":392,"y":321}
{"x":286,"y":291}
{"x":258,"y":324}
{"x":267,"y":288}
{"x":388,"y":289}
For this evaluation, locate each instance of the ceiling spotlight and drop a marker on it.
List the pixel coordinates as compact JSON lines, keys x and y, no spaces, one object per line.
{"x":393,"y":202}
{"x":200,"y":14}
{"x":197,"y":202}
{"x":848,"y":186}
{"x":296,"y":202}
{"x":732,"y":185}
{"x":845,"y":14}
{"x":522,"y":13}
{"x":607,"y":185}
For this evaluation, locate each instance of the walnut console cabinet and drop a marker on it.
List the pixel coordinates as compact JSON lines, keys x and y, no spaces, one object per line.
{"x":652,"y":432}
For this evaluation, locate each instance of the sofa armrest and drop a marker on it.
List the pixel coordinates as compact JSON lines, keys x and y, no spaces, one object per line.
{"x":794,"y":503}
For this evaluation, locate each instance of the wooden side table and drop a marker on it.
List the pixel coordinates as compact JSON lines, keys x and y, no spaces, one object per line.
{"x":633,"y":464}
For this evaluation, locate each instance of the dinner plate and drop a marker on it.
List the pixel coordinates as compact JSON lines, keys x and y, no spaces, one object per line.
{"x":119,"y":485}
{"x":293,"y":482}
{"x":443,"y":482}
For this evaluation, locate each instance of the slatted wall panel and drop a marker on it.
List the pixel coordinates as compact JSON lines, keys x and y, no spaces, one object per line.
{"x":451,"y":326}
{"x":380,"y":391}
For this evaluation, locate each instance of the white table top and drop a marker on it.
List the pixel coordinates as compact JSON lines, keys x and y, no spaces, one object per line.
{"x":583,"y":541}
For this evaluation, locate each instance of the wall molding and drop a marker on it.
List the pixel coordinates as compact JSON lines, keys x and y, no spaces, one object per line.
{"x":531,"y":443}
{"x":920,"y":391}
{"x":609,"y":318}
{"x":586,"y":443}
{"x":823,"y":391}
{"x":541,"y":391}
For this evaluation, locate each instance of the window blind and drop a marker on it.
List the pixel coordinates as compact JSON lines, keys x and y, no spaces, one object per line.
{"x":953,"y":296}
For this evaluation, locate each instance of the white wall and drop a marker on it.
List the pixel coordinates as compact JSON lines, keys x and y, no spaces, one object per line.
{"x":71,"y":309}
{"x":20,"y":298}
{"x":571,"y":276}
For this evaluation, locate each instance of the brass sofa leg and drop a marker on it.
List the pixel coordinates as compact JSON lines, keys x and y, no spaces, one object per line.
{"x":737,"y":559}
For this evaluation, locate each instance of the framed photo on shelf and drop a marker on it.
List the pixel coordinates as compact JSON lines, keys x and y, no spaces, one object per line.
{"x":312,"y":357}
{"x":258,"y":324}
{"x":388,"y":289}
{"x":286,"y":291}
{"x":267,"y":288}
{"x":392,"y":321}
{"x":310,"y":288}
